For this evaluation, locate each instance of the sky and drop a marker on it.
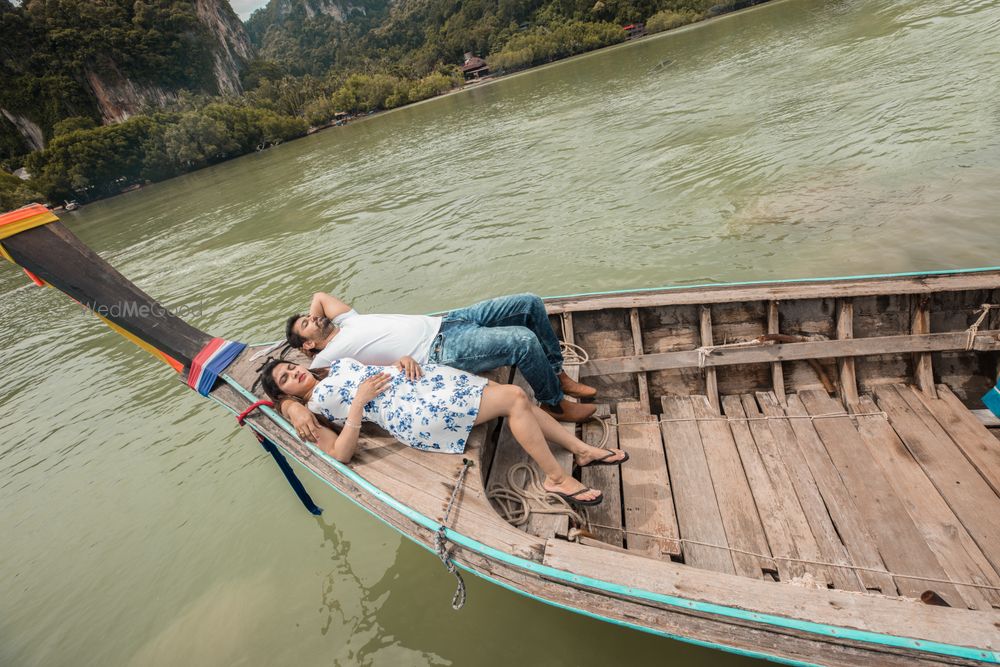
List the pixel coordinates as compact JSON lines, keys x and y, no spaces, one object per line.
{"x":245,"y":7}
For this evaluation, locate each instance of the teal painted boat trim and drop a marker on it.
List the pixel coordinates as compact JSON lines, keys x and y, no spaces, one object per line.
{"x":599,"y":585}
{"x":783,"y":281}
{"x":757,"y":655}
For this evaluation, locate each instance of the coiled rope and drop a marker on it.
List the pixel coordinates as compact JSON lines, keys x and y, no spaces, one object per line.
{"x":524,"y":495}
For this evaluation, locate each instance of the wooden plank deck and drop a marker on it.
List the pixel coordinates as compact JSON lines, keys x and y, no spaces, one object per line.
{"x":647,"y":497}
{"x":608,"y":480}
{"x":900,"y":543}
{"x":959,"y":483}
{"x":945,"y":535}
{"x":796,"y":524}
{"x":509,"y":453}
{"x":736,"y":502}
{"x":770,"y":503}
{"x":698,"y":515}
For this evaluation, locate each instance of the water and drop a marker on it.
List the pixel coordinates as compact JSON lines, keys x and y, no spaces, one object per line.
{"x":140,"y":527}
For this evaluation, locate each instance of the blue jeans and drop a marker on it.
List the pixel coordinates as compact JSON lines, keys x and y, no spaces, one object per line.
{"x":509,"y":330}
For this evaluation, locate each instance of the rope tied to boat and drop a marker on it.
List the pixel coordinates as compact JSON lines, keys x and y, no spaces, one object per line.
{"x":524,"y":495}
{"x":705,"y":351}
{"x":983,"y":311}
{"x":441,"y":537}
{"x":572,"y":354}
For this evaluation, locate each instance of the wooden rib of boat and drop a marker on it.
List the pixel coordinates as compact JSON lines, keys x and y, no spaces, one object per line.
{"x":811,"y":477}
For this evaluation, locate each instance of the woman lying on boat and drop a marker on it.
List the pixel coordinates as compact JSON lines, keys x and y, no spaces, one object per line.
{"x":431,"y":408}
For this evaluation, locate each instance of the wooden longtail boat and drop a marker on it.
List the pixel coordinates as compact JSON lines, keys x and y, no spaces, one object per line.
{"x":812,"y":479}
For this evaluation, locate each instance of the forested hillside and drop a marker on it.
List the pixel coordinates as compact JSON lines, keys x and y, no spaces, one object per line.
{"x":98,"y":96}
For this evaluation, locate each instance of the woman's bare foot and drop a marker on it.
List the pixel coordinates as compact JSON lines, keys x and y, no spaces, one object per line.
{"x":571,"y":486}
{"x":606,"y":456}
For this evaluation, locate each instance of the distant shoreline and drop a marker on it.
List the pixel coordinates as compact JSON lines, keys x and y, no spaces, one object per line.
{"x":486,"y":81}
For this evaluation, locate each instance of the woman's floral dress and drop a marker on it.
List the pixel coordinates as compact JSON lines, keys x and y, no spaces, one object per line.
{"x":435,"y":412}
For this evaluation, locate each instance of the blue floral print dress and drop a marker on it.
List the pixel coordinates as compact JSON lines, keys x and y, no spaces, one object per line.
{"x":434,"y":413}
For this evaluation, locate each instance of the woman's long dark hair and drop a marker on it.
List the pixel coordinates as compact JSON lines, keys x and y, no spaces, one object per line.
{"x":270,"y":385}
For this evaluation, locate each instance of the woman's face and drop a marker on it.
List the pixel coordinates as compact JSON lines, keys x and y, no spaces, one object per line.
{"x":293,"y":379}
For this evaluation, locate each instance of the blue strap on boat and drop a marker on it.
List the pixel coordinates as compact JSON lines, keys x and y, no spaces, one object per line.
{"x":279,"y":458}
{"x":992,"y":400}
{"x":290,"y":475}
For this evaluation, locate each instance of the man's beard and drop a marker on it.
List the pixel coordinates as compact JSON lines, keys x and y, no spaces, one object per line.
{"x":326,"y":327}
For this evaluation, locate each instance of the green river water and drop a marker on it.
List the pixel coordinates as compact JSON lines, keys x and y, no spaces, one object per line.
{"x":139,"y":526}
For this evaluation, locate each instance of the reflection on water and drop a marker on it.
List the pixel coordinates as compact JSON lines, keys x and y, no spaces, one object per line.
{"x":141,"y":527}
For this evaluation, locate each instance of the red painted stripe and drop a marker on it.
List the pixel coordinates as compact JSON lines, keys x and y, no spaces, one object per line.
{"x":201,"y":359}
{"x":22,"y":213}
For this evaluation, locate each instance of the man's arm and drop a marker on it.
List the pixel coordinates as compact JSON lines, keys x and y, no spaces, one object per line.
{"x":327,"y":305}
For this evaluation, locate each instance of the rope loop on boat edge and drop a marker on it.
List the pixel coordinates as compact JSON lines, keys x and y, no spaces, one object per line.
{"x":441,"y":538}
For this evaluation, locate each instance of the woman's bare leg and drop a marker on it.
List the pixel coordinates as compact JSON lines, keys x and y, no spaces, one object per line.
{"x":510,"y":401}
{"x":582,"y":452}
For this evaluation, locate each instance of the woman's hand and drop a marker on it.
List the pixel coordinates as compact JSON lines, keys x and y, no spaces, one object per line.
{"x":372,"y":387}
{"x":410,"y":366}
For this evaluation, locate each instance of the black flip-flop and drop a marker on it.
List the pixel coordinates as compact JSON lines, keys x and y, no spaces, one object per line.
{"x":572,"y":499}
{"x":603,"y":461}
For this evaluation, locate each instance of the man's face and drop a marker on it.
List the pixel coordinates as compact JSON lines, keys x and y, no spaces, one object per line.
{"x":315,"y":329}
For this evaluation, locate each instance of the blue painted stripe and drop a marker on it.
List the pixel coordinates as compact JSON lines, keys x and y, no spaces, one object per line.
{"x":629,"y":591}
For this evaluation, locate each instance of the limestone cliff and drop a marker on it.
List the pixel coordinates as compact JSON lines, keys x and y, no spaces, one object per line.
{"x":119,"y":97}
{"x":233,"y":49}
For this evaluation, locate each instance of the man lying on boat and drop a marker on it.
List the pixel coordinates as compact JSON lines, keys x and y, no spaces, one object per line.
{"x":431,"y":408}
{"x":509,"y":330}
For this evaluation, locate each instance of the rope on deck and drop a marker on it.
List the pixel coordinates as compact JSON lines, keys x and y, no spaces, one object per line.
{"x":524,"y":495}
{"x":789,"y":559}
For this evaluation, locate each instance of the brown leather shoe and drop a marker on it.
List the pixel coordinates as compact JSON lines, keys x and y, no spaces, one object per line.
{"x":568,"y":411}
{"x":575,"y":389}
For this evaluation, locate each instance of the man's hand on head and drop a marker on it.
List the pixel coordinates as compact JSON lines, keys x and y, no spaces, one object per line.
{"x":327,"y":305}
{"x":303,"y":419}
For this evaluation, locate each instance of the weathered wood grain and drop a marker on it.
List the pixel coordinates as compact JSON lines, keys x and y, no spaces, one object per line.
{"x":698,"y":516}
{"x":927,"y":284}
{"x":770,"y":505}
{"x":707,"y":340}
{"x":777,"y":372}
{"x":958,"y":554}
{"x":637,"y":346}
{"x":646,"y":494}
{"x":900,"y":617}
{"x":736,"y":502}
{"x":848,"y":381}
{"x":831,"y":548}
{"x":981,"y":448}
{"x":608,"y":480}
{"x":846,"y":515}
{"x":901,"y":545}
{"x":768,"y":353}
{"x":959,"y":483}
{"x":795,"y":521}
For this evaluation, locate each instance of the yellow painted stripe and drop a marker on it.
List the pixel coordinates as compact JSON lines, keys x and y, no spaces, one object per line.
{"x":31,"y":222}
{"x":165,"y":358}
{"x":6,"y":255}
